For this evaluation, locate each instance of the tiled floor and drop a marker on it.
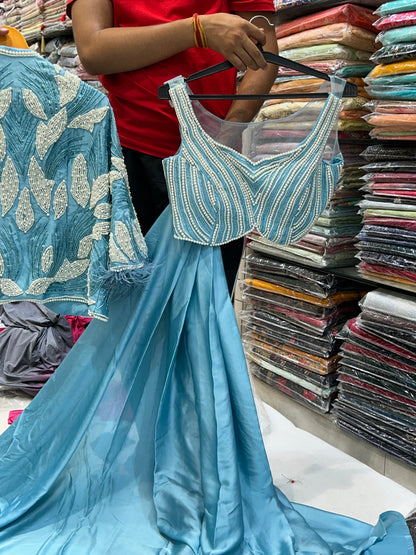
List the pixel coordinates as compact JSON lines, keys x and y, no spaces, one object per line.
{"x":308,"y":470}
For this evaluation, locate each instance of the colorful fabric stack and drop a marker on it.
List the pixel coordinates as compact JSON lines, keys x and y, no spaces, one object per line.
{"x":31,"y":19}
{"x":387,"y":241}
{"x":393,"y":80}
{"x":340,"y":41}
{"x":377,"y":374}
{"x":290,"y":319}
{"x":55,"y":21}
{"x":12,"y":13}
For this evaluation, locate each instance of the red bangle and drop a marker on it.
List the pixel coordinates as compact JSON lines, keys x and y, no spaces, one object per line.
{"x":200,"y":38}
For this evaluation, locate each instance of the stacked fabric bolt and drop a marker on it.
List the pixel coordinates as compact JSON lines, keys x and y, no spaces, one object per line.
{"x":387,"y":241}
{"x":55,"y":21}
{"x":339,"y":41}
{"x":377,"y":374}
{"x":12,"y":13}
{"x":290,"y":319}
{"x":31,"y":19}
{"x":393,"y":81}
{"x":294,"y":8}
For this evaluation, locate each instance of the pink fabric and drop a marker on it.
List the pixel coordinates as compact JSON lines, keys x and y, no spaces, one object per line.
{"x":396,"y":20}
{"x":13,"y":414}
{"x":78,"y":325}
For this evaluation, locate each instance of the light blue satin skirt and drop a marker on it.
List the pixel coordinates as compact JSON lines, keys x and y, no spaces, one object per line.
{"x":146,"y":440}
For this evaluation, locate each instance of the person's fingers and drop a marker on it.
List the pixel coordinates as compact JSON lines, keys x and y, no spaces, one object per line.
{"x":3,"y":30}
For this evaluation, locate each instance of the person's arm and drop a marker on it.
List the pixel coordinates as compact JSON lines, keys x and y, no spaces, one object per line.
{"x":104,"y":49}
{"x":255,"y":82}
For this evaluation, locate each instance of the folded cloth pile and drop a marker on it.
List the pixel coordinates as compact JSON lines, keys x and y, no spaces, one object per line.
{"x":31,"y":19}
{"x":290,"y":319}
{"x":393,"y":79}
{"x":12,"y":15}
{"x":55,"y":21}
{"x":340,"y":41}
{"x":288,"y":9}
{"x":377,"y":374}
{"x":387,"y":241}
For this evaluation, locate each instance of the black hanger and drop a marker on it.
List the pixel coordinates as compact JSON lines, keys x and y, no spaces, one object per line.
{"x":350,"y":89}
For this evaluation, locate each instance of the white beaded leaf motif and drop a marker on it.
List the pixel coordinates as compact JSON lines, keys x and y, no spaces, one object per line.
{"x":120,"y":166}
{"x":85,"y":246}
{"x":138,"y":237}
{"x":2,"y":144}
{"x":9,"y":186}
{"x":100,"y":229}
{"x":9,"y":288}
{"x":40,"y":186}
{"x":123,"y":239}
{"x":25,"y":217}
{"x":80,"y":188}
{"x":103,"y":211}
{"x":49,"y":133}
{"x":60,"y":200}
{"x":68,"y":86}
{"x":47,"y":259}
{"x":33,"y":104}
{"x":70,"y":270}
{"x":115,"y":253}
{"x":88,"y":120}
{"x":5,"y":101}
{"x":100,"y":188}
{"x":1,"y":265}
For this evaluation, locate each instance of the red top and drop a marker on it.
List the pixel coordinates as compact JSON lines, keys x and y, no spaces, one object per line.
{"x":144,"y":122}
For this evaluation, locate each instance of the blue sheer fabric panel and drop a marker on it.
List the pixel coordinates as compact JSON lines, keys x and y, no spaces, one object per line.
{"x":146,"y":440}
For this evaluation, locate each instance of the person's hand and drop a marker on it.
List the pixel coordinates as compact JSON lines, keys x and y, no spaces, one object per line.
{"x":3,"y":31}
{"x":235,"y":38}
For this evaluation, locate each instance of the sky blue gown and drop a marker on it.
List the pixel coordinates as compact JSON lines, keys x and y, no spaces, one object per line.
{"x":146,"y":441}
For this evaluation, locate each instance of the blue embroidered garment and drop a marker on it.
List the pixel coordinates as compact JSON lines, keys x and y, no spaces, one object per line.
{"x":218,"y":194}
{"x":67,"y":227}
{"x":145,"y":441}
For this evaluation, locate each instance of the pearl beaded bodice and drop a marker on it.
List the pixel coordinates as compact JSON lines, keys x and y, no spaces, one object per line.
{"x":218,"y":194}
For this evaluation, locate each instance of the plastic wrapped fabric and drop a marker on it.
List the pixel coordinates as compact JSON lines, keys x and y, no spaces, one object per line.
{"x":393,"y":235}
{"x":326,"y":52}
{"x":390,"y":154}
{"x":395,"y":20}
{"x":405,"y":92}
{"x":395,"y":6}
{"x":288,"y":9}
{"x":348,"y":13}
{"x":392,"y":69}
{"x":296,"y":392}
{"x":338,"y":33}
{"x":390,"y":303}
{"x":388,"y":275}
{"x":389,"y":248}
{"x":343,"y":68}
{"x":397,"y":35}
{"x":296,"y":277}
{"x":273,"y":328}
{"x":394,"y":53}
{"x":400,"y":79}
{"x":389,"y":327}
{"x":391,"y":107}
{"x":406,"y":121}
{"x":264,"y":357}
{"x":33,"y":344}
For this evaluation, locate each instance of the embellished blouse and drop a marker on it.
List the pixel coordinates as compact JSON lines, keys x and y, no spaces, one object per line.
{"x":68,"y":230}
{"x":221,"y":188}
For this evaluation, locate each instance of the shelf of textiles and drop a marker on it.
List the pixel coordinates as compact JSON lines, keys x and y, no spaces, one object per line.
{"x":290,"y":319}
{"x":377,"y":374}
{"x":48,"y":31}
{"x":335,"y":38}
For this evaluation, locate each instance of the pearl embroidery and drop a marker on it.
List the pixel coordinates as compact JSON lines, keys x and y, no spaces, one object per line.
{"x":47,"y":259}
{"x":9,"y":186}
{"x":68,"y":86}
{"x":60,"y":200}
{"x":80,"y":188}
{"x":87,"y":121}
{"x":40,"y":186}
{"x":2,"y":144}
{"x":5,"y":101}
{"x":48,"y":134}
{"x":218,"y":194}
{"x":123,"y":239}
{"x":100,"y":189}
{"x":115,"y":252}
{"x":25,"y":216}
{"x":33,"y":104}
{"x":1,"y":265}
{"x":10,"y":288}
